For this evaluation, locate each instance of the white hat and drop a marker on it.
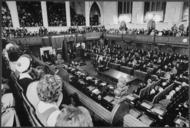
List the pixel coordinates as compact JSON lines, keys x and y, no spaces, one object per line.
{"x":9,"y":45}
{"x":23,"y":63}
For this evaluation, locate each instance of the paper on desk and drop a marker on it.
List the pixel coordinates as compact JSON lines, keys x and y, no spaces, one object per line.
{"x":108,"y":98}
{"x":96,"y":91}
{"x":146,"y":105}
{"x":130,"y":97}
{"x":158,"y":111}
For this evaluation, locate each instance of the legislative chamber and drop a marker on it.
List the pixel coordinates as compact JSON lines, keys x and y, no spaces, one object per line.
{"x":119,"y":63}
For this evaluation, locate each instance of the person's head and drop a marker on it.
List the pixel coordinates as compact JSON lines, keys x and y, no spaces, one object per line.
{"x":8,"y":45}
{"x":4,"y":43}
{"x":74,"y":117}
{"x":40,"y":70}
{"x":74,"y":99}
{"x":49,"y":88}
{"x":122,"y":81}
{"x":23,"y":63}
{"x":14,"y":53}
{"x":4,"y":85}
{"x":59,"y":57}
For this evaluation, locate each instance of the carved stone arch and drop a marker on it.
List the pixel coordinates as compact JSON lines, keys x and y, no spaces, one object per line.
{"x":96,"y":4}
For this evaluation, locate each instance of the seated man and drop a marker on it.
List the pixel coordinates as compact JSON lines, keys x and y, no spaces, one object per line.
{"x":49,"y":91}
{"x":74,"y":117}
{"x":59,"y":59}
{"x":123,"y":60}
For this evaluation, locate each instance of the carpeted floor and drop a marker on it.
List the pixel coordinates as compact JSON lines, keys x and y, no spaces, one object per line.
{"x":89,"y":68}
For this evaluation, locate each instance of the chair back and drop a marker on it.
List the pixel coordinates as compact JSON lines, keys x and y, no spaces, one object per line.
{"x":31,"y":113}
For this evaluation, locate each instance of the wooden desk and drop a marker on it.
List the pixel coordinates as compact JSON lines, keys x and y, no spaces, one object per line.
{"x":111,"y":117}
{"x":130,"y":121}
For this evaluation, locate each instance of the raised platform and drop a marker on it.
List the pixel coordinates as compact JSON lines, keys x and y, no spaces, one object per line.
{"x":114,"y":75}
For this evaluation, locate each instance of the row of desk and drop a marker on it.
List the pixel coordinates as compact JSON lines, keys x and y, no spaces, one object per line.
{"x":113,"y":117}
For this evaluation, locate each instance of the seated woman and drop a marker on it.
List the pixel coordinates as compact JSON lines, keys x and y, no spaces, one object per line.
{"x":13,"y":54}
{"x":24,"y":69}
{"x":8,"y":114}
{"x":32,"y":94}
{"x":6,"y":46}
{"x":74,"y":117}
{"x":49,"y":91}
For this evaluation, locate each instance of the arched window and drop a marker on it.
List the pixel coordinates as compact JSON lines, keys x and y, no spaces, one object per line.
{"x":6,"y":16}
{"x":56,"y":13}
{"x":95,"y":14}
{"x":185,"y":15}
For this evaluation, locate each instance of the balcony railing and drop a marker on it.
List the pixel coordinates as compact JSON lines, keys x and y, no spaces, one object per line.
{"x":159,"y":40}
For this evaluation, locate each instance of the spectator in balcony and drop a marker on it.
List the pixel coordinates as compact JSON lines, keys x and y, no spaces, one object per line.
{"x":6,"y":17}
{"x":174,"y":29}
{"x":74,"y":117}
{"x":151,"y":26}
{"x":13,"y":54}
{"x":29,"y":14}
{"x":181,"y":28}
{"x":56,"y":14}
{"x":9,"y":116}
{"x":49,"y":90}
{"x":24,"y":68}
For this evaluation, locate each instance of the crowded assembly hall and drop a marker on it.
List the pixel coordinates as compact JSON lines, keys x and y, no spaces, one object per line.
{"x":99,"y":63}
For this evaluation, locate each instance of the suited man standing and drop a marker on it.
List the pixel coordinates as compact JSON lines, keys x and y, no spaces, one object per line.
{"x":82,"y":51}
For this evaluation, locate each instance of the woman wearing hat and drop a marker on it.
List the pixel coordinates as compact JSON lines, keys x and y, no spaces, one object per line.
{"x":24,"y":67}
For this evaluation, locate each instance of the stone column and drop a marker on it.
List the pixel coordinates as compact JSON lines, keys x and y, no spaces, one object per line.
{"x":14,"y":13}
{"x":68,"y":14}
{"x":44,"y":13}
{"x":87,"y":13}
